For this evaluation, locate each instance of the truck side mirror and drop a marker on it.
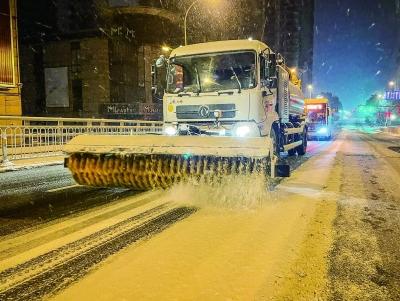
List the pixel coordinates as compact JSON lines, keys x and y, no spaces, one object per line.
{"x":273,"y":82}
{"x":153,"y":79}
{"x":159,"y":76}
{"x":271,"y":65}
{"x":161,"y":62}
{"x":271,"y":71}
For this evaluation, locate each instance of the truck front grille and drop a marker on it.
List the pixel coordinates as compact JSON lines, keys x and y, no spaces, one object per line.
{"x":205,"y":111}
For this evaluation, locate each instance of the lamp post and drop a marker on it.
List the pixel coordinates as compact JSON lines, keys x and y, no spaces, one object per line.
{"x":186,"y":15}
{"x":392,"y":84}
{"x":310,"y":88}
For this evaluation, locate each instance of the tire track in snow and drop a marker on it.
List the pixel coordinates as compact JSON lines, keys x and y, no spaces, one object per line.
{"x":61,"y":273}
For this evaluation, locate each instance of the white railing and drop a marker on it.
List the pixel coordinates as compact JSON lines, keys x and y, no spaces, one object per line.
{"x":32,"y":137}
{"x":392,"y":129}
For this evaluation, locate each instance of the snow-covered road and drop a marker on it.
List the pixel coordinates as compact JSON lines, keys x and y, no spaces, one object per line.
{"x":328,"y":232}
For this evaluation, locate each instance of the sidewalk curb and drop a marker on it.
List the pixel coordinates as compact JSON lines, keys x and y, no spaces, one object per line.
{"x":29,"y":166}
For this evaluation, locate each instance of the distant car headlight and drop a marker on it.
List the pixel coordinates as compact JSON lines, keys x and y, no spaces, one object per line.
{"x":323,"y":130}
{"x":170,"y":130}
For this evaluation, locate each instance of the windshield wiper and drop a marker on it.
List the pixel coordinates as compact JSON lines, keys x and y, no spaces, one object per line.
{"x":229,"y":92}
{"x":198,"y":80}
{"x":180,"y":94}
{"x":237,"y":79}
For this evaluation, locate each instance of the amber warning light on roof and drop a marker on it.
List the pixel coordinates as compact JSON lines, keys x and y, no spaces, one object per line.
{"x":314,"y":107}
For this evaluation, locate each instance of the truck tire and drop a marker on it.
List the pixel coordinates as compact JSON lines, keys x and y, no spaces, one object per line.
{"x":302,"y":149}
{"x":296,"y":137}
{"x":292,"y":152}
{"x":274,"y":139}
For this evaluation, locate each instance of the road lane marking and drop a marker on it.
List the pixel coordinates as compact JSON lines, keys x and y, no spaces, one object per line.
{"x":63,"y":188}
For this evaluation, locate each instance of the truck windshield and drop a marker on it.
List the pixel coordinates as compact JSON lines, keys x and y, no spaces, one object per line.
{"x":212,"y":72}
{"x":317,"y":114}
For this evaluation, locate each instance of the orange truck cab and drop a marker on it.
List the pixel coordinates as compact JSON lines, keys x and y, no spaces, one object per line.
{"x":319,"y":120}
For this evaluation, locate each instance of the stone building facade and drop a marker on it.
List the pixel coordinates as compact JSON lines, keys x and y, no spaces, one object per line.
{"x":10,"y":88}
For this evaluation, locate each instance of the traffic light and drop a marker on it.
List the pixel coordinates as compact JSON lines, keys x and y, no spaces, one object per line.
{"x":388,"y":114}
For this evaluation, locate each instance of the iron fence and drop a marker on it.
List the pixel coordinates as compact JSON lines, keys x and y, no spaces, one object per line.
{"x":32,"y":137}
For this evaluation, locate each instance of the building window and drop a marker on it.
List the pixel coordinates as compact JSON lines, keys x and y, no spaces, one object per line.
{"x":6,"y":47}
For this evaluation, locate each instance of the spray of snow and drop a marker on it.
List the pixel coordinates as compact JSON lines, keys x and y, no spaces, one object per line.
{"x":231,"y":192}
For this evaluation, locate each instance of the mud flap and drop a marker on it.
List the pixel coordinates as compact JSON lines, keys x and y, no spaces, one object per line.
{"x":282,"y":170}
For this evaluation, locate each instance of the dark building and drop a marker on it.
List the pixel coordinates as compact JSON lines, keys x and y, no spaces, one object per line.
{"x":94,"y":58}
{"x":289,"y":29}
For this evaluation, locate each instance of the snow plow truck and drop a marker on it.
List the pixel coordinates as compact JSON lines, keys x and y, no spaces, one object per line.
{"x":229,"y":107}
{"x":319,"y":120}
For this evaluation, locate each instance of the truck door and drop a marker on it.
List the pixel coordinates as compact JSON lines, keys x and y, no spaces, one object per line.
{"x":268,"y":79}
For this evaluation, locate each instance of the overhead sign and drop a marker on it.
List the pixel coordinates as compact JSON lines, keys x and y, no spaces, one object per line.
{"x":137,"y":110}
{"x":120,"y":109}
{"x":392,"y":95}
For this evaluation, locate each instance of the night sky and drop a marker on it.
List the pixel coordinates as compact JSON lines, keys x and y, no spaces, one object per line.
{"x":356,"y":46}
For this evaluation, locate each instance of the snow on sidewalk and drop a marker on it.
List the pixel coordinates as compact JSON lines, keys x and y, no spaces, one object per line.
{"x":28,"y":163}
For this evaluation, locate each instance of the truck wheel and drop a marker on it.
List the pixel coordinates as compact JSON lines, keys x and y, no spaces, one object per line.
{"x":302,"y":149}
{"x":292,"y":152}
{"x":275,"y":142}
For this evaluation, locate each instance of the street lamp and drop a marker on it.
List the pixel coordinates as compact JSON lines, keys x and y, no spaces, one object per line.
{"x":392,"y":84}
{"x":186,"y":16}
{"x":310,"y":88}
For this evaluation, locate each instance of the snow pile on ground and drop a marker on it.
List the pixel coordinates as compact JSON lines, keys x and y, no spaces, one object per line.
{"x":234,"y":192}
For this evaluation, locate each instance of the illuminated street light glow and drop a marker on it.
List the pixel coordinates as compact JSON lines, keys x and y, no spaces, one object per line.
{"x":310,"y":88}
{"x":207,"y":80}
{"x":393,"y":85}
{"x":166,"y":49}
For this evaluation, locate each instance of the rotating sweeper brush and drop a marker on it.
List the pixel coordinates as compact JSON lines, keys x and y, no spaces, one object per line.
{"x":149,"y":161}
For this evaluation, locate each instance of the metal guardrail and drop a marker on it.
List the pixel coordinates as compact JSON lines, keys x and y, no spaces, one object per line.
{"x":392,"y":129}
{"x":39,"y":137}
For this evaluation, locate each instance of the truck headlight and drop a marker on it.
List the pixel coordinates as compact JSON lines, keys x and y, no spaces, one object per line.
{"x":242,"y":131}
{"x":323,"y":130}
{"x":170,"y":130}
{"x":246,"y":130}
